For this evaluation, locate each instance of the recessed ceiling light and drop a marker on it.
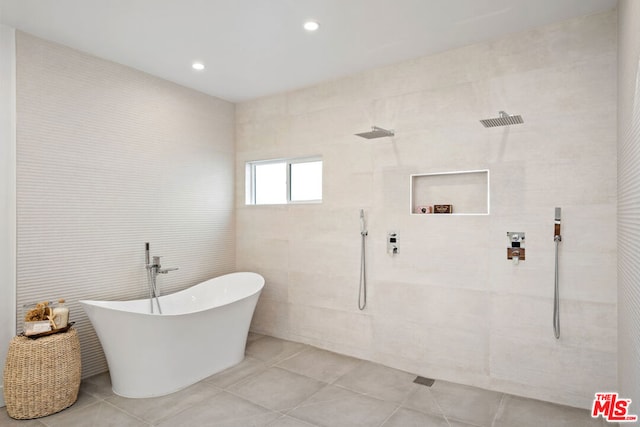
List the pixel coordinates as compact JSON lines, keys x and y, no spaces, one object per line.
{"x":311,"y":25}
{"x":197,"y":66}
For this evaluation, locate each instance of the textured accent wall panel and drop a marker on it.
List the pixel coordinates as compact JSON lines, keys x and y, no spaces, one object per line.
{"x":109,"y":158}
{"x":7,"y":193}
{"x":629,"y":201}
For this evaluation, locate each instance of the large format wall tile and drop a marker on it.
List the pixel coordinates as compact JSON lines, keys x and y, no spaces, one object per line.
{"x":450,"y":305}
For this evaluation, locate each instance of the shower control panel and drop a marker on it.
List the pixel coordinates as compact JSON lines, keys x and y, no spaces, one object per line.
{"x":515,"y":250}
{"x":392,"y":243}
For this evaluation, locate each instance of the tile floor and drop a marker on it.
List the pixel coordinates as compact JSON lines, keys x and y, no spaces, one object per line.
{"x":287,"y":384}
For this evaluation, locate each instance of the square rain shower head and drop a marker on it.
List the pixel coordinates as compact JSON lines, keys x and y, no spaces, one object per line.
{"x":503,"y":120}
{"x":376,"y":132}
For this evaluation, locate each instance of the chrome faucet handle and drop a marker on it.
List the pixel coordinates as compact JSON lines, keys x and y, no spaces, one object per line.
{"x":156,"y":261}
{"x":166,"y":270}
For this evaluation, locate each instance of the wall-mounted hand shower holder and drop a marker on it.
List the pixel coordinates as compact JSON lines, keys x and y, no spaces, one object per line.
{"x":516,"y":251}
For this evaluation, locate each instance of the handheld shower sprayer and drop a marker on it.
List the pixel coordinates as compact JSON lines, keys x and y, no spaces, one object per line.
{"x":362,"y":288}
{"x":557,"y":238}
{"x":556,"y":229}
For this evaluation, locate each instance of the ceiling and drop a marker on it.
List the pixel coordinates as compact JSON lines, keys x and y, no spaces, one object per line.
{"x":253,"y":48}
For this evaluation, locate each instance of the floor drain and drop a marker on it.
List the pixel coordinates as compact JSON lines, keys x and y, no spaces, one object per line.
{"x":424,"y":381}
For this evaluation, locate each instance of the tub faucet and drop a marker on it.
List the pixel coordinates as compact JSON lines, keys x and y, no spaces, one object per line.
{"x":153,"y":269}
{"x":156,"y":268}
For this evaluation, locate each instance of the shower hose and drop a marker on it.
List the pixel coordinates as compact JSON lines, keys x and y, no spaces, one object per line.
{"x":362,"y":294}
{"x":556,"y":296}
{"x":153,"y":290}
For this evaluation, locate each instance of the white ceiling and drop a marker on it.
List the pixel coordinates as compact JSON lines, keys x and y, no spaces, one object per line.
{"x":253,"y":48}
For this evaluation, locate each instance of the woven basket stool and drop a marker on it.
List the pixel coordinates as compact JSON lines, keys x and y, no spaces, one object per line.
{"x":42,"y":376}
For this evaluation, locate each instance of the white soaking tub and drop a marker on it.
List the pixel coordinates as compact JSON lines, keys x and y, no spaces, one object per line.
{"x":203,"y":330}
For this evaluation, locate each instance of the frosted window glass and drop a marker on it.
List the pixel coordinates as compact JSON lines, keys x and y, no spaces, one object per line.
{"x":270,"y":183}
{"x":306,"y":181}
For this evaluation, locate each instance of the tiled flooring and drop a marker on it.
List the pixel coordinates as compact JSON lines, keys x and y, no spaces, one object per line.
{"x":286,"y":384}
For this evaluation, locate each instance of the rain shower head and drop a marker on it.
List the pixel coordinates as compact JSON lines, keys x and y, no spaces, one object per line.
{"x":503,"y":120}
{"x":376,"y":132}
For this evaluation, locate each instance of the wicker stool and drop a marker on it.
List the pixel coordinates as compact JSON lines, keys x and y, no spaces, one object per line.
{"x":42,"y":376}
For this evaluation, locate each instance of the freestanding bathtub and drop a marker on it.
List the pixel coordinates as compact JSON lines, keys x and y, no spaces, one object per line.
{"x":203,"y":330}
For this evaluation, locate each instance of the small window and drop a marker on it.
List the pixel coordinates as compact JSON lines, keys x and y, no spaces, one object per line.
{"x":272,"y":182}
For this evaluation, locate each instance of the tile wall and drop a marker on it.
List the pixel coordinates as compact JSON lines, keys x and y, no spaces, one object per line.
{"x":450,"y":305}
{"x":629,"y":201}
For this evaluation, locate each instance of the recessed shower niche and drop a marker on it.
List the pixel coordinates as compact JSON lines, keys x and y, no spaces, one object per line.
{"x":450,"y":193}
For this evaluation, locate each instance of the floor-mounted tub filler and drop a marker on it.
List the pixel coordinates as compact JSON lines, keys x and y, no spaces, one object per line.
{"x":201,"y":331}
